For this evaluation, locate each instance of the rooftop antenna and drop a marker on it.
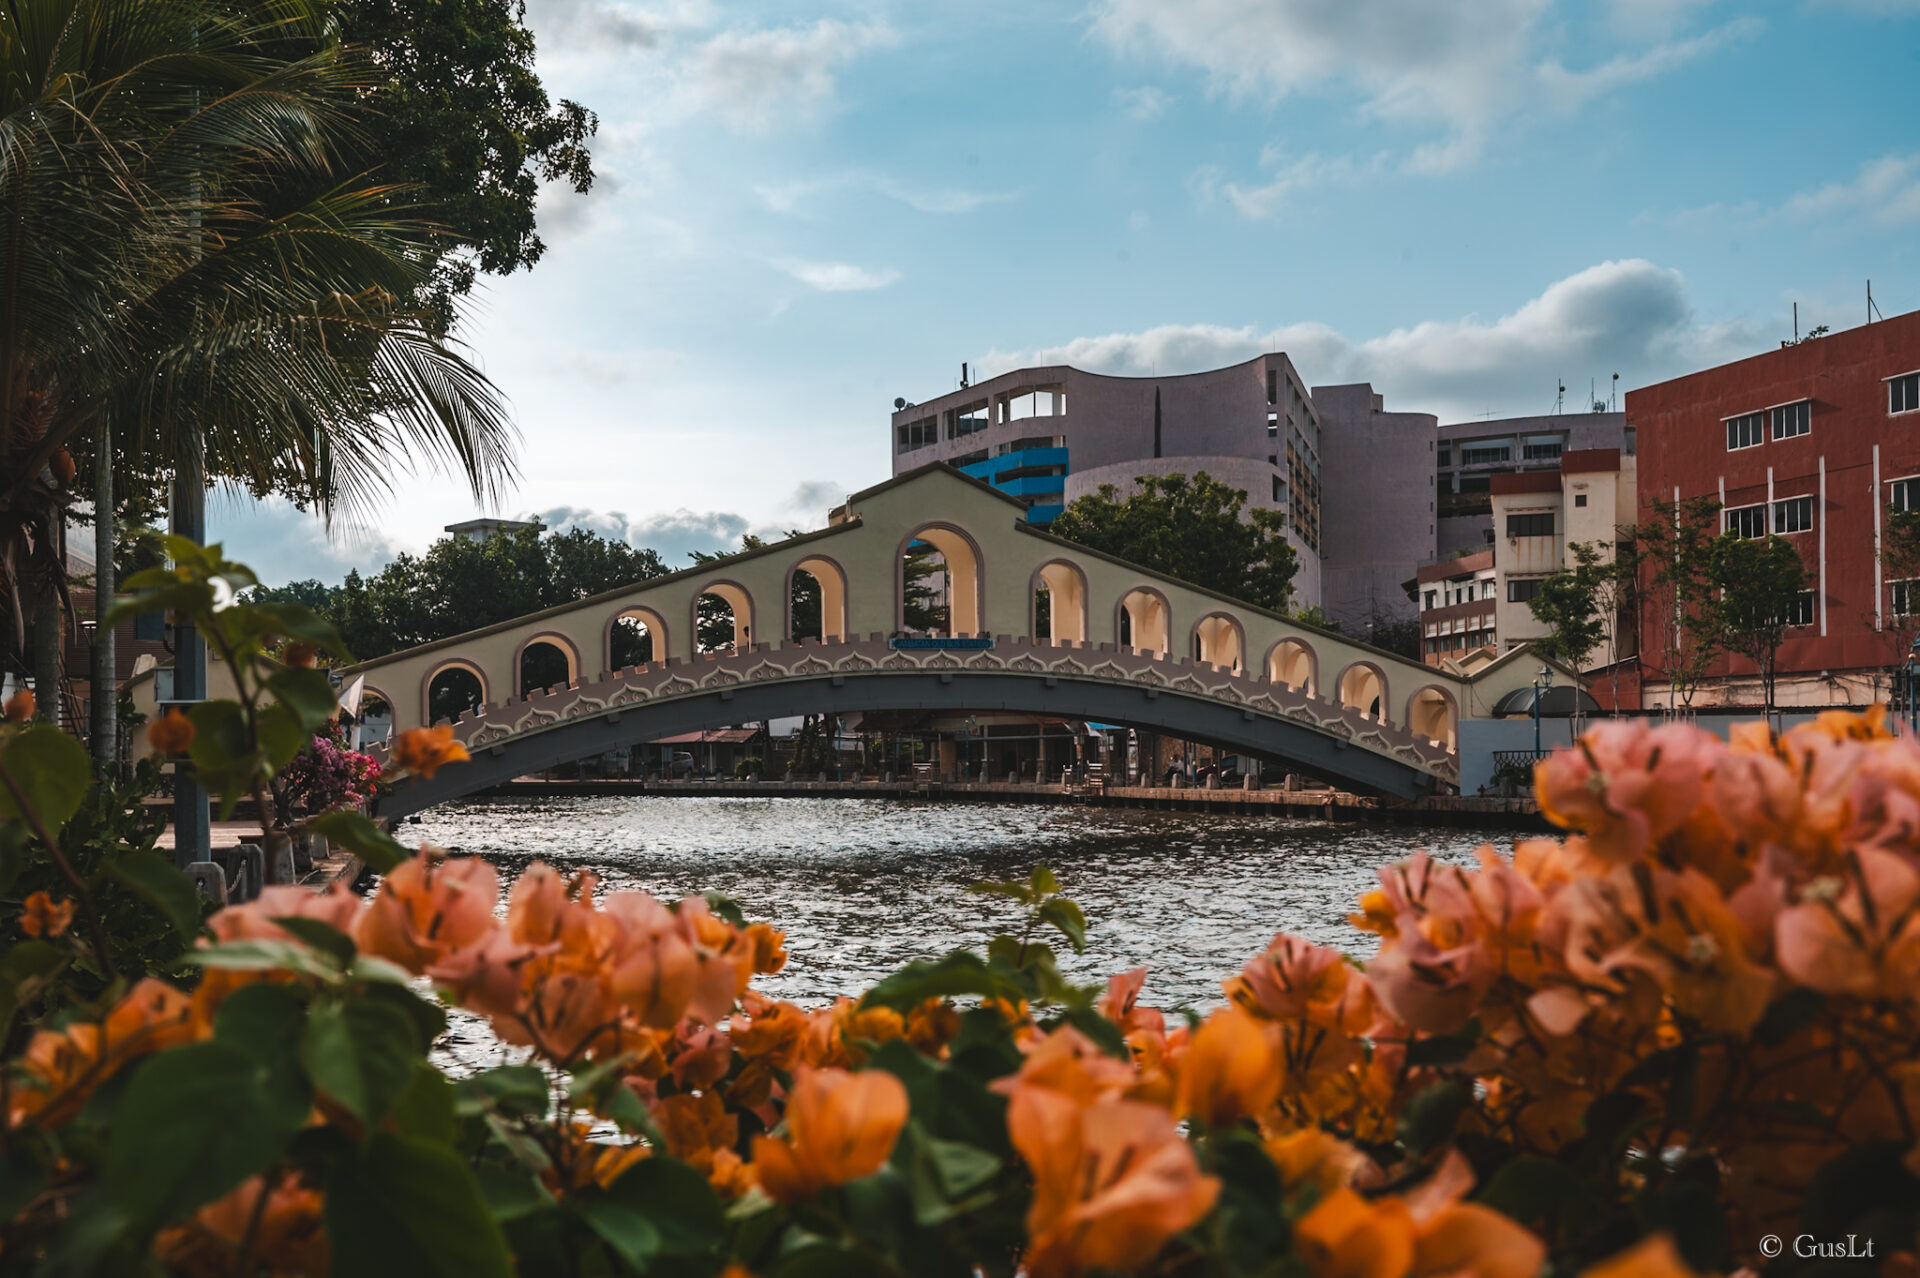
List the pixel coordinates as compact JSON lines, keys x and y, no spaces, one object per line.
{"x":1559,"y":398}
{"x":1613,"y":396}
{"x":1872,"y":310}
{"x":1796,"y":314}
{"x":963,"y":374}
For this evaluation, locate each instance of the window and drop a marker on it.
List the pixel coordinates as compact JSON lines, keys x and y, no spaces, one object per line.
{"x":1793,"y":419}
{"x":1522,"y":589}
{"x":1486,"y":453}
{"x":1745,"y":521}
{"x":1276,"y":488}
{"x":916,"y":435}
{"x":1903,"y":393}
{"x":965,"y":421}
{"x":1446,"y":455}
{"x":1273,"y":425}
{"x":1273,"y":385}
{"x":1579,"y":499}
{"x":1906,"y":596}
{"x":1536,"y":525}
{"x":1904,"y":494}
{"x":1793,"y":515}
{"x":1745,"y":432}
{"x":1540,"y":449}
{"x":1432,"y":596}
{"x":1800,"y":612}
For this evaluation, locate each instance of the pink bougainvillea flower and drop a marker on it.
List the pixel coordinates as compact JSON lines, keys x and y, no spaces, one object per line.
{"x":1626,"y":785}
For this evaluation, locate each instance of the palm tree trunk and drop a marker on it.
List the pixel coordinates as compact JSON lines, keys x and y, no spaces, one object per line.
{"x":48,"y":634}
{"x":104,"y":698}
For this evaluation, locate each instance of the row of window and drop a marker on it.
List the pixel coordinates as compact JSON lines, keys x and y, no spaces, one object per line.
{"x":1789,"y":420}
{"x":1454,"y":643}
{"x":1465,"y":592}
{"x":1538,"y":524}
{"x":1792,"y":515}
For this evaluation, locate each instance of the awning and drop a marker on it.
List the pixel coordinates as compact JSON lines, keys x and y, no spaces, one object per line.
{"x":1558,"y":702}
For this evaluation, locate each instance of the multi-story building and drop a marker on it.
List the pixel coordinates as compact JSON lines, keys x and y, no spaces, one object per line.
{"x":1472,"y":453}
{"x":1813,"y":442}
{"x":1479,"y":599}
{"x":1052,"y":434}
{"x":1377,"y":477}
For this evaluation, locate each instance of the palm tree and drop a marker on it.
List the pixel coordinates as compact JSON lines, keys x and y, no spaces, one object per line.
{"x":188,"y":288}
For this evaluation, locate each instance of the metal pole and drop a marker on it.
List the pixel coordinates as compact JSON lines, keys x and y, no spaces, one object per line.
{"x":1536,"y":718}
{"x":192,"y":822}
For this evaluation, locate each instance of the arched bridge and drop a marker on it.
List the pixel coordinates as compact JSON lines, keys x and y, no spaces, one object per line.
{"x":1034,"y":625}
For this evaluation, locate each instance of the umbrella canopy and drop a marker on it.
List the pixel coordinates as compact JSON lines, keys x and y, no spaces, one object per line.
{"x":1558,"y":702}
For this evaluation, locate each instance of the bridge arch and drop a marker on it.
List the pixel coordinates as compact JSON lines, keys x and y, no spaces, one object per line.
{"x":652,"y":622}
{"x":1433,"y":713}
{"x":371,"y":698}
{"x":1066,"y":585}
{"x":1143,"y":619}
{"x":1293,"y":662}
{"x":966,"y":577}
{"x":737,"y":598}
{"x":1362,"y":688}
{"x":452,"y":703}
{"x":1218,"y":638}
{"x":832,"y":580}
{"x":527,"y":649}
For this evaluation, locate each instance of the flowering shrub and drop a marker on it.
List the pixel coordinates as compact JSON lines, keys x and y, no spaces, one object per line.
{"x":328,"y":774}
{"x":1640,"y":1050}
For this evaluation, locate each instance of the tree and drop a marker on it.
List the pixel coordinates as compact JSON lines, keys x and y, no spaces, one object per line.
{"x":190,"y":286}
{"x":1565,"y":602}
{"x":1190,"y":528}
{"x":1900,"y":568}
{"x":1759,"y":582}
{"x":1674,"y":592}
{"x":461,"y":585}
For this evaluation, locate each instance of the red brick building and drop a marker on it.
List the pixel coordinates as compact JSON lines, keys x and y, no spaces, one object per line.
{"x":1812,"y":442}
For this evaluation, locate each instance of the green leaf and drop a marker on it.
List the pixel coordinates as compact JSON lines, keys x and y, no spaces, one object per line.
{"x":824,"y":1260}
{"x":297,"y":621}
{"x":958,"y":973}
{"x":322,"y":937}
{"x":940,"y":1174}
{"x":1042,"y":882}
{"x":156,"y":878}
{"x":519,"y":1090}
{"x":361,"y":1053}
{"x":263,"y":955}
{"x":306,"y":692}
{"x":1532,"y":1190}
{"x":1433,"y":1113}
{"x":426,"y":1108}
{"x":1065,"y":917}
{"x":1444,"y":1049}
{"x":264,"y":1020}
{"x":195,"y":1122}
{"x":511,"y":1192}
{"x":408,"y":1208}
{"x":1788,"y":1014}
{"x":49,"y":768}
{"x":362,"y":837}
{"x":624,"y":1228}
{"x":725,"y":908}
{"x":284,"y":732}
{"x":1015,"y":891}
{"x":677,"y":1201}
{"x":23,"y":973}
{"x":1104,"y":1033}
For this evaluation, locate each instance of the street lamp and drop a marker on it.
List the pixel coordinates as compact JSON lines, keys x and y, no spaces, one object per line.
{"x":1913,"y":686}
{"x":1541,"y":682}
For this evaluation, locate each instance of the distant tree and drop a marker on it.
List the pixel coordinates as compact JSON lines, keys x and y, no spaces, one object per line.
{"x":1900,"y":568}
{"x":1190,"y":528}
{"x":1316,"y":616}
{"x":924,"y":608}
{"x":1565,"y":603}
{"x":1758,"y":582}
{"x":1674,"y":592}
{"x":1399,"y":635}
{"x":460,"y":585}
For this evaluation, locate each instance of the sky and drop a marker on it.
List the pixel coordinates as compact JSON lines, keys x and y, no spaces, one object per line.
{"x":805,"y":209}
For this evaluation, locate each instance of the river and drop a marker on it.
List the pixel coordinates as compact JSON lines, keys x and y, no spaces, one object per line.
{"x":861,"y":886}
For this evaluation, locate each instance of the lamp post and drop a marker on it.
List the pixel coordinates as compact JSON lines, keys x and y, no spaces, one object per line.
{"x":1541,"y":682}
{"x":1913,"y":687}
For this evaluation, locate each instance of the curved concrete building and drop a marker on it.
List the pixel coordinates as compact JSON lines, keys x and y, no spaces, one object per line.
{"x":1051,"y":434}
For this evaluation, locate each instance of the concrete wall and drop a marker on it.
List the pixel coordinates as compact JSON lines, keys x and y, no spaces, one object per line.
{"x":1377,"y":477}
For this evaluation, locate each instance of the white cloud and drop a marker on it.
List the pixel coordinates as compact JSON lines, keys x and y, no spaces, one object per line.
{"x":775,"y":75}
{"x":674,"y":533}
{"x":1873,"y":8}
{"x":283,"y":543}
{"x":840,"y":277}
{"x":1289,"y":178}
{"x":815,"y":497}
{"x":796,"y":197}
{"x":1462,"y":68}
{"x":1628,"y":317}
{"x":594,"y":26}
{"x":1144,"y":103}
{"x":1886,"y":191}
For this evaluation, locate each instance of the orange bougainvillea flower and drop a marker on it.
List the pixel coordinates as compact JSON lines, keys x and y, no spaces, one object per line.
{"x":288,"y":1236}
{"x":171,"y":733}
{"x":1229,"y":1071}
{"x":1652,"y":1257}
{"x":1113,"y":1181}
{"x":1345,"y":1236}
{"x":43,"y":916}
{"x":1627,"y":785}
{"x":64,"y":1066}
{"x":426,"y":750}
{"x":840,"y":1127}
{"x":428,"y":907}
{"x":20,"y":706}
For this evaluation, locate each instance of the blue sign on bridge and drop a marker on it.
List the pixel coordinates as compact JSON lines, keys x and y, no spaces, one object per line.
{"x":979,"y":643}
